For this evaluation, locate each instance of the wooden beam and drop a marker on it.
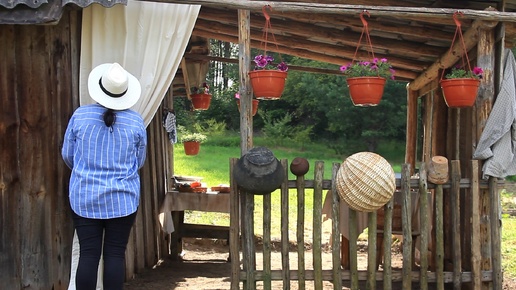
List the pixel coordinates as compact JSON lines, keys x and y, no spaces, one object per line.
{"x":345,"y":9}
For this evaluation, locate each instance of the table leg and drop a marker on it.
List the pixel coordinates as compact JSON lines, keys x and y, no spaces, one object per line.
{"x":176,"y":241}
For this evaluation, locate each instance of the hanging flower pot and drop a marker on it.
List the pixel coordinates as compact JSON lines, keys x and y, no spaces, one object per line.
{"x":255,"y":105}
{"x":201,"y":101}
{"x":366,"y":91}
{"x":268,"y":84}
{"x":460,"y":93}
{"x":192,"y":147}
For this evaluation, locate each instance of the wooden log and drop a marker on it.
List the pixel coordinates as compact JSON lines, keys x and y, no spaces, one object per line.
{"x":424,"y":226}
{"x":475,"y":227}
{"x":285,"y":241}
{"x":267,"y":248}
{"x":387,"y":244}
{"x":234,"y":228}
{"x":406,"y":212}
{"x":455,"y":223}
{"x":335,"y":212}
{"x":439,"y":247}
{"x":353,"y":259}
{"x":300,"y":232}
{"x":371,"y":251}
{"x":317,"y":225}
{"x":438,"y":170}
{"x":496,"y":238}
{"x":245,"y":90}
{"x":410,"y":146}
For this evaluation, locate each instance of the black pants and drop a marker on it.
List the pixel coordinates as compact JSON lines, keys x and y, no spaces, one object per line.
{"x":116,"y":234}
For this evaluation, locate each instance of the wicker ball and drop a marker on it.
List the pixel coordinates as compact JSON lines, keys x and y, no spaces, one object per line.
{"x":365,"y":181}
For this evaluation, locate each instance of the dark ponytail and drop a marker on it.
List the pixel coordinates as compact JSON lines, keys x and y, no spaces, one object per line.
{"x":109,"y":117}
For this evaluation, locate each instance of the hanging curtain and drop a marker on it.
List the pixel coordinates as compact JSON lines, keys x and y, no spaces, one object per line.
{"x":148,"y":39}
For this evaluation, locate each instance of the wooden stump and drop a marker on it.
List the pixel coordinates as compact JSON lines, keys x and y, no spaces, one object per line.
{"x":438,"y":170}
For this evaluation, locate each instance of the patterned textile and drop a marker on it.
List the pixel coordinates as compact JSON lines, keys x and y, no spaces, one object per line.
{"x":169,"y":122}
{"x":497,"y":144}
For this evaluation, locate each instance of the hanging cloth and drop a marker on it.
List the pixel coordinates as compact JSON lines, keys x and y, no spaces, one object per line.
{"x":169,"y":122}
{"x":497,"y":144}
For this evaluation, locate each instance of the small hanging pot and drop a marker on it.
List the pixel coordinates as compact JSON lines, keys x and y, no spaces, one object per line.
{"x":268,"y":84}
{"x":255,"y":106}
{"x":200,"y":101}
{"x":366,"y":91}
{"x":460,"y":93}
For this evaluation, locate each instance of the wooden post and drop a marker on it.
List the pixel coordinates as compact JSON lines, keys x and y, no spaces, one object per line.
{"x":439,"y":247}
{"x":353,"y":259}
{"x":424,"y":226}
{"x":475,"y":227}
{"x":300,"y":233}
{"x":371,"y":251}
{"x":244,"y":58}
{"x":317,"y":224}
{"x":455,"y":222}
{"x":285,"y":269}
{"x":387,"y":244}
{"x":335,"y":211}
{"x":496,"y":238}
{"x":234,"y":228}
{"x":406,"y":212}
{"x":411,"y":141}
{"x":267,"y":205}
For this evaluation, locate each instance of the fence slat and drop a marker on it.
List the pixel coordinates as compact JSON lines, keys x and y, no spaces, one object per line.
{"x":406,"y":212}
{"x":300,"y":232}
{"x":387,"y":244}
{"x":439,"y":238}
{"x":285,"y":262}
{"x":353,"y":259}
{"x":475,"y":226}
{"x":496,"y":238}
{"x":455,"y":216}
{"x":234,"y":229}
{"x":317,"y":225}
{"x":267,"y":284}
{"x":337,"y":277}
{"x":423,"y":223}
{"x":371,"y":251}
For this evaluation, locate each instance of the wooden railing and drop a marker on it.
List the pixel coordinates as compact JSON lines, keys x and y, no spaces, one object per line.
{"x":479,"y":198}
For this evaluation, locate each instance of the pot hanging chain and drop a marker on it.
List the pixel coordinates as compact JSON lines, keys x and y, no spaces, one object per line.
{"x":266,"y":27}
{"x":365,"y":31}
{"x":458,"y":32}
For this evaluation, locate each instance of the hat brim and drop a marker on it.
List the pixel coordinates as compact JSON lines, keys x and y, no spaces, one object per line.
{"x":129,"y":99}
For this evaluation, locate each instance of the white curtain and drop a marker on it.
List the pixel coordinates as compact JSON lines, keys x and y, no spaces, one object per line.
{"x":148,"y":39}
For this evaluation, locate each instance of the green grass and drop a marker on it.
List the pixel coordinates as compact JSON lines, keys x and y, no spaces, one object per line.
{"x":509,"y":246}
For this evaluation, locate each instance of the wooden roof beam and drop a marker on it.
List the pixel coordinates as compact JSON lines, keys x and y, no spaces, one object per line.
{"x":304,"y":53}
{"x":345,"y":9}
{"x":451,"y":56}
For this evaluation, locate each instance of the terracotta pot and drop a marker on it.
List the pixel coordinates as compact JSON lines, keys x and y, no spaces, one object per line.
{"x":366,"y":91}
{"x":191,"y":147}
{"x":201,"y":101}
{"x":255,"y":105}
{"x":460,"y":93}
{"x":268,"y":84}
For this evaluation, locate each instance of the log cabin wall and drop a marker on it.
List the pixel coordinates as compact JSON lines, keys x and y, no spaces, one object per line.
{"x":38,"y":92}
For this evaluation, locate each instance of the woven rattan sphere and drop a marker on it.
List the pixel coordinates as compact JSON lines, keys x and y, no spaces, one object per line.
{"x":365,"y":181}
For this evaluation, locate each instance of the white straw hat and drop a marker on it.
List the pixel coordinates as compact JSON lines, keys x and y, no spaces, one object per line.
{"x":113,"y":87}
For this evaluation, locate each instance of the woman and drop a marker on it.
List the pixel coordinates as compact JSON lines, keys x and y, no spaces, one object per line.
{"x":105,"y":145}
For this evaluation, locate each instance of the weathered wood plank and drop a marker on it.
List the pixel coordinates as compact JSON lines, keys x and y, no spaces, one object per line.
{"x":245,"y":89}
{"x":300,"y":232}
{"x":424,"y":226}
{"x":267,"y":246}
{"x":455,"y":223}
{"x":406,"y":213}
{"x":371,"y":251}
{"x":285,"y":261}
{"x":439,"y":247}
{"x":317,"y":224}
{"x":496,"y":238}
{"x":387,"y":246}
{"x":475,"y":225}
{"x":335,"y":211}
{"x":234,"y":227}
{"x":353,"y":258}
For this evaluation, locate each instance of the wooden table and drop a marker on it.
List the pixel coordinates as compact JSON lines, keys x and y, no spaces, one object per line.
{"x":172,"y":213}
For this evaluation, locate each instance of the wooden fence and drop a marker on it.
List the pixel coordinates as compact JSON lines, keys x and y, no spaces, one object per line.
{"x":478,"y":198}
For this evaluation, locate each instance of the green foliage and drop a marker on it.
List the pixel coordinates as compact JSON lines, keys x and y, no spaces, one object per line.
{"x":374,"y":68}
{"x":192,"y":137}
{"x":458,"y":72}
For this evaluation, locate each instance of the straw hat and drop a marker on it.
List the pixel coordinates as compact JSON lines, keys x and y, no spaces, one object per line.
{"x":113,"y":87}
{"x":258,"y":171}
{"x":365,"y":181}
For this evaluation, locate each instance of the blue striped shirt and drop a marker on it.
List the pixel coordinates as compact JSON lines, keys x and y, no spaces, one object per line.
{"x":104,"y":182}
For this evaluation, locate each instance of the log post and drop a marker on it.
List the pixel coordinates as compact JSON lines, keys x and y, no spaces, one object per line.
{"x":438,"y":170}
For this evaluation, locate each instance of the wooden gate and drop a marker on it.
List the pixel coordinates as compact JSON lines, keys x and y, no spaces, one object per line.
{"x":457,"y":200}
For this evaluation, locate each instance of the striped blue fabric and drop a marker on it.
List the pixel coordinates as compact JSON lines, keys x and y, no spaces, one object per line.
{"x":105,"y":182}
